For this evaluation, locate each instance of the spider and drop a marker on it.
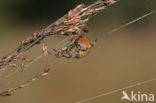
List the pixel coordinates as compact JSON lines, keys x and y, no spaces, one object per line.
{"x":79,"y":47}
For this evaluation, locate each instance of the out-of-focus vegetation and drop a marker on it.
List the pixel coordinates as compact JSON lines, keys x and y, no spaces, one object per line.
{"x":118,"y":60}
{"x":28,"y":11}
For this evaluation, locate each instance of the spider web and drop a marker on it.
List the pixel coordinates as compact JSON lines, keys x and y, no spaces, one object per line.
{"x":9,"y":72}
{"x":94,"y":97}
{"x":130,"y":86}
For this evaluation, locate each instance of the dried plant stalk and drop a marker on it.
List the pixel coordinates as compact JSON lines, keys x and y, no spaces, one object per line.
{"x":73,"y":22}
{"x":25,"y":84}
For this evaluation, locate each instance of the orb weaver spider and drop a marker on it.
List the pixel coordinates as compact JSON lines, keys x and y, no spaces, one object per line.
{"x":78,"y":47}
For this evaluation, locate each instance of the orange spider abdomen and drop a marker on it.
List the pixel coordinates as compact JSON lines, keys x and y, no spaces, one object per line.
{"x":85,"y":44}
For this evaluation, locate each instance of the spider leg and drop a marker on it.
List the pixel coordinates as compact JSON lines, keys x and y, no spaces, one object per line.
{"x":94,"y":42}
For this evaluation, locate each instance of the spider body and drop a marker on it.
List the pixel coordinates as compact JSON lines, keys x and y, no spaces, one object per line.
{"x":84,"y":46}
{"x":77,"y":48}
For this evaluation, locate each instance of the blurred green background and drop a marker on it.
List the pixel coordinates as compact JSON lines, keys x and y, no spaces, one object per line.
{"x":118,"y":60}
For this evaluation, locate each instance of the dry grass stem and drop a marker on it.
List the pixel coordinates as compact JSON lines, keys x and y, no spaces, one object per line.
{"x":73,"y":23}
{"x":25,"y":84}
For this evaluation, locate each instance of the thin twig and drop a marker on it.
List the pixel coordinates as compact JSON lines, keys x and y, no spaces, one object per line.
{"x":26,"y":83}
{"x":73,"y":21}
